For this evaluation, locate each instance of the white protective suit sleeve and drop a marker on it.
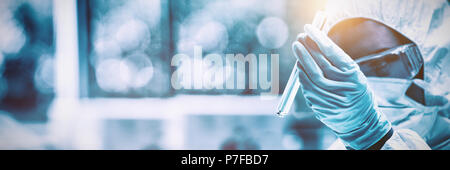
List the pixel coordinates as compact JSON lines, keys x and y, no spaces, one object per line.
{"x":403,"y":139}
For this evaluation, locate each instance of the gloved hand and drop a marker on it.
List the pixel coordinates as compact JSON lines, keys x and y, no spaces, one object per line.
{"x":337,"y":91}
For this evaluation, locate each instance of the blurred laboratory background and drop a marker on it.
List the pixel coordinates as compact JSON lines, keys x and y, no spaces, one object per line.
{"x":96,"y":74}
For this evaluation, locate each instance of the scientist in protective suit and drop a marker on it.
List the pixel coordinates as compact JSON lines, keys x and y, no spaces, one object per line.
{"x":377,"y":73}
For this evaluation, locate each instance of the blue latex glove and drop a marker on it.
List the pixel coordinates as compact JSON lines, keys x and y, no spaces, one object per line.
{"x":337,"y":91}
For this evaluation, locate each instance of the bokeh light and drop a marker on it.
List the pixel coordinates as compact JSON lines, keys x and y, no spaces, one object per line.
{"x":110,"y":77}
{"x":132,"y":34}
{"x":272,"y":32}
{"x":13,"y":38}
{"x":138,"y":70}
{"x":44,"y":74}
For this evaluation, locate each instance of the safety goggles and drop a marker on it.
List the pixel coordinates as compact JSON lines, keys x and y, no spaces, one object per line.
{"x":403,"y":61}
{"x":379,"y":50}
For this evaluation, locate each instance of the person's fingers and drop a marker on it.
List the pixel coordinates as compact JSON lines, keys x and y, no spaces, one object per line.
{"x":329,"y":71}
{"x":320,"y":59}
{"x":333,"y":52}
{"x":307,"y":62}
{"x":314,"y":72}
{"x":317,"y":95}
{"x":326,"y":88}
{"x":301,"y":36}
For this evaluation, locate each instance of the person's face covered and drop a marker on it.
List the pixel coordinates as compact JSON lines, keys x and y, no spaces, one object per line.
{"x":389,"y":59}
{"x":379,"y":50}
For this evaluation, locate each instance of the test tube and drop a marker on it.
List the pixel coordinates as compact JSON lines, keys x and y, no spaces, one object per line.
{"x":288,"y":96}
{"x":291,"y":89}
